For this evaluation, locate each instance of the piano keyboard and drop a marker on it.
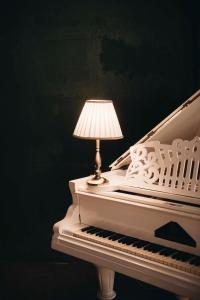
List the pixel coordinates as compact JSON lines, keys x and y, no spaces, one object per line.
{"x":151,"y":251}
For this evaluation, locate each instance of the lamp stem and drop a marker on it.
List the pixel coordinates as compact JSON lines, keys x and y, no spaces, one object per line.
{"x":97,"y":179}
{"x":98,"y":160}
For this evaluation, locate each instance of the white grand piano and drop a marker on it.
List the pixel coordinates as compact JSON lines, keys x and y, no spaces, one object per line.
{"x":144,"y":223}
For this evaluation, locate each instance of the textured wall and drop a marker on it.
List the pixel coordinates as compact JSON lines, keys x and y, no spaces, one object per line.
{"x":142,"y":54}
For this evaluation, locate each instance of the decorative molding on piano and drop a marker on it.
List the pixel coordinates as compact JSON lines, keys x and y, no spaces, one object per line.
{"x":171,"y":168}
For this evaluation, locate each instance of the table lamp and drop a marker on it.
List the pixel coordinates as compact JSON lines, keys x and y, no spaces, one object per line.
{"x":98,"y":121}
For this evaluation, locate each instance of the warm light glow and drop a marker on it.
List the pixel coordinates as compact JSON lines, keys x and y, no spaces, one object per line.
{"x":98,"y":120}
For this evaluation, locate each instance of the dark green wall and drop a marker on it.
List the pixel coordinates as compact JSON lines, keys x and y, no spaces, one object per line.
{"x":142,"y":54}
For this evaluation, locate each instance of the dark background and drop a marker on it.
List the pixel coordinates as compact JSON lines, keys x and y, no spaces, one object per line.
{"x":144,"y":55}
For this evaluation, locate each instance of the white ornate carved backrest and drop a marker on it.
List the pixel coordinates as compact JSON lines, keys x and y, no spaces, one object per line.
{"x":171,"y":168}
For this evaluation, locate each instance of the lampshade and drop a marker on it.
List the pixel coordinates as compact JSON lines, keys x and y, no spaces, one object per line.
{"x":98,"y":120}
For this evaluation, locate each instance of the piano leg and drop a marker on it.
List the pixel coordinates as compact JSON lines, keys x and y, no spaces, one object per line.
{"x":106,"y":282}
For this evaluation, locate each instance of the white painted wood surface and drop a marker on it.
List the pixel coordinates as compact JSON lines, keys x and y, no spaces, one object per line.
{"x":106,"y":281}
{"x":171,"y":168}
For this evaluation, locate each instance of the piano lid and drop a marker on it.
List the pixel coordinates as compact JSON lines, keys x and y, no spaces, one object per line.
{"x":183,"y":123}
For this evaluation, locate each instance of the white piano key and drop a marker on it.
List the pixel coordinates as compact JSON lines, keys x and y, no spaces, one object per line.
{"x":131,"y":249}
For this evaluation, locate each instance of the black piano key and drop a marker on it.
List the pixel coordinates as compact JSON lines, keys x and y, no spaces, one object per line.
{"x":130,"y":241}
{"x":186,"y":257}
{"x":163,"y":250}
{"x":93,"y":230}
{"x":175,"y":255}
{"x":167,"y":252}
{"x":182,"y":256}
{"x":105,"y":233}
{"x":135,"y":243}
{"x":122,"y":240}
{"x":127,"y":240}
{"x":149,"y":247}
{"x":141,"y":244}
{"x":100,"y":232}
{"x":87,"y":228}
{"x":156,"y":248}
{"x":113,"y":236}
{"x":195,"y":261}
{"x":170,"y":253}
{"x":191,"y":260}
{"x":116,"y":237}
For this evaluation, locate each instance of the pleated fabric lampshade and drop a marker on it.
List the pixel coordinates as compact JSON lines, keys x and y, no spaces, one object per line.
{"x":98,"y":121}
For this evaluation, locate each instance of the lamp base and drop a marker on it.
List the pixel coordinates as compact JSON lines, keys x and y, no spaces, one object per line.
{"x":97,"y":181}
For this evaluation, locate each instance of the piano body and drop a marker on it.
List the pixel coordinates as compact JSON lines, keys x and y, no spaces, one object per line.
{"x":145,"y":222}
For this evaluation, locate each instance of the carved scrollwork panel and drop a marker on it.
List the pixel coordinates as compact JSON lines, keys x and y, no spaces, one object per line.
{"x":174,"y":167}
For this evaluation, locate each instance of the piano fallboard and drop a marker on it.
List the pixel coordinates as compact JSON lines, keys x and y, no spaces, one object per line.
{"x":138,"y":219}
